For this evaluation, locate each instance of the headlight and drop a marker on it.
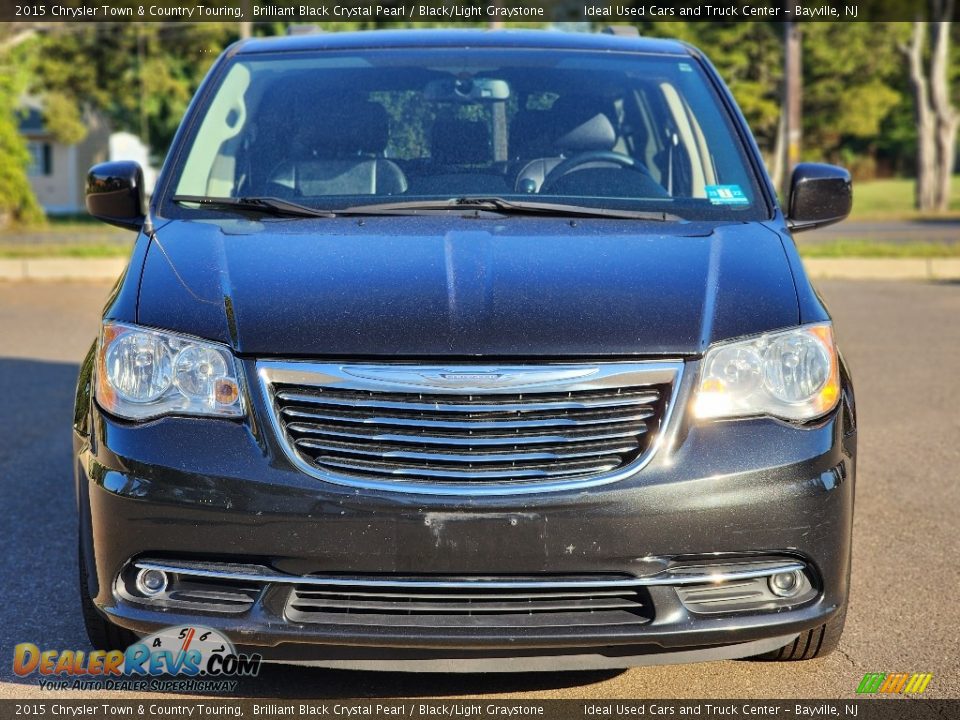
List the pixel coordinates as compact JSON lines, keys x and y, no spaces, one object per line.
{"x":143,"y":373}
{"x":792,"y":375}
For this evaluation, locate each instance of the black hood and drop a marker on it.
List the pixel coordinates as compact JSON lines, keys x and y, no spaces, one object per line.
{"x":442,"y":286}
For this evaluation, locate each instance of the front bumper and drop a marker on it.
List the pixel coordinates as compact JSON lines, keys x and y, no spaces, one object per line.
{"x":221,"y":491}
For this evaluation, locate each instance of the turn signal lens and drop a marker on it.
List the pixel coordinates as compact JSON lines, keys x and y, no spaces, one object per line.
{"x":793,"y":374}
{"x":144,"y":373}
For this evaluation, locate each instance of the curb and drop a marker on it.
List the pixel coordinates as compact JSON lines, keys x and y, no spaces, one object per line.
{"x":850,"y":268}
{"x":95,"y":269}
{"x":46,"y":269}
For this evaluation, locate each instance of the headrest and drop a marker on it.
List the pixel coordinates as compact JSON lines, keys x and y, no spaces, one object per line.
{"x":344,"y":128}
{"x":460,"y":142}
{"x":528,"y":138}
{"x":581,"y":124}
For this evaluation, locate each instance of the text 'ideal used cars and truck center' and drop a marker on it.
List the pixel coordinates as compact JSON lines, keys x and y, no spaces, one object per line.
{"x":467,"y":350}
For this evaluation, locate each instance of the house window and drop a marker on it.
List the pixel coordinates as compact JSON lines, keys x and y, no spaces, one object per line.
{"x":41,"y":159}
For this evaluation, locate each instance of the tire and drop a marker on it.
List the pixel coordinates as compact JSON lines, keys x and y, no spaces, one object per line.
{"x":103,"y":635}
{"x":816,"y":643}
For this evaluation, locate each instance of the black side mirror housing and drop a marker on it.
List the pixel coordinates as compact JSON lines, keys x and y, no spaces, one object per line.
{"x":820,"y":195}
{"x":115,"y":193}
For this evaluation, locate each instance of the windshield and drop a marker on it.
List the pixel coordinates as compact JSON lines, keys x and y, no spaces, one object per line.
{"x":336,"y":130}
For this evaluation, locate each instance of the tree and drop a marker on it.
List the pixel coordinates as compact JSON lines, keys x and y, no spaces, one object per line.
{"x":17,"y":203}
{"x":936,"y":118}
{"x":139,"y":75}
{"x":849,"y":94}
{"x":748,"y":56}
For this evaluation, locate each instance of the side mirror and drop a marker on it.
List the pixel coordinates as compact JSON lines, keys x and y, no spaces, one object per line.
{"x":115,"y":193}
{"x":819,"y":195}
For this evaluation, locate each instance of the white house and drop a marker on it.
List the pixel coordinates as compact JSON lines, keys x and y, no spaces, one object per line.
{"x":58,"y":172}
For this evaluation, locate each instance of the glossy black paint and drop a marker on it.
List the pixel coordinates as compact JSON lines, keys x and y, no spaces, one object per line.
{"x":739,"y":488}
{"x":115,"y":193}
{"x":820,"y":195}
{"x":452,"y":287}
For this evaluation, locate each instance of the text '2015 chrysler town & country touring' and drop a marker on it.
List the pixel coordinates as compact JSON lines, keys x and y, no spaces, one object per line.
{"x":467,"y":350}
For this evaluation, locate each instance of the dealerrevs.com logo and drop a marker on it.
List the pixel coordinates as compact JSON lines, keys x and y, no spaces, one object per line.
{"x":180,"y":658}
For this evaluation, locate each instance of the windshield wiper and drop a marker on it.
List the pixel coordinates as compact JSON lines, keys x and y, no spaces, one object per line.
{"x":509,"y":207}
{"x":264,"y":205}
{"x":278,"y":207}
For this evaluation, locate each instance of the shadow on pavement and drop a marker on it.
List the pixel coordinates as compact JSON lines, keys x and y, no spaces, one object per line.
{"x":39,"y":568}
{"x":937,"y":221}
{"x":37,"y":504}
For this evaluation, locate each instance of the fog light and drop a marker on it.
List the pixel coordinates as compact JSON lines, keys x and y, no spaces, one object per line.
{"x":151,"y":582}
{"x":786,"y":584}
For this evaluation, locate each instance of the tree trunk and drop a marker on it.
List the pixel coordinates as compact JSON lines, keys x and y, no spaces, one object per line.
{"x":937,"y":119}
{"x":924,"y":196}
{"x":792,"y":102}
{"x":945,"y":116}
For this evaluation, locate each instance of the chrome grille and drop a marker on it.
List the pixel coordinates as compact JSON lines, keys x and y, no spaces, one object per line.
{"x":505,"y":426}
{"x":470,"y":602}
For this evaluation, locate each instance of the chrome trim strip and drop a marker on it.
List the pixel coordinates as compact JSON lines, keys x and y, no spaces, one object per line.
{"x":599,"y":403}
{"x":635,"y":416}
{"x":494,"y":441}
{"x":603,"y":435}
{"x":679,"y":575}
{"x":461,"y":378}
{"x":408,"y":473}
{"x":464,"y":379}
{"x":484,"y":457}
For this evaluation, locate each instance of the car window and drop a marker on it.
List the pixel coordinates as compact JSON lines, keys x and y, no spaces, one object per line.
{"x":333,"y":129}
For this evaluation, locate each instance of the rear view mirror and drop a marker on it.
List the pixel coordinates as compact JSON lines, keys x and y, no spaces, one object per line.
{"x":467,"y":90}
{"x":819,"y":195}
{"x":115,"y":193}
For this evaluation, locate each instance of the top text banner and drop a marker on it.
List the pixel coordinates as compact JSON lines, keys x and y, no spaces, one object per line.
{"x":388,"y":12}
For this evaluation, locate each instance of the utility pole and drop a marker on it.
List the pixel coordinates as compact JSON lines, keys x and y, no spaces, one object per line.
{"x":792,"y":99}
{"x":141,"y":72}
{"x":246,"y":26}
{"x":496,"y":24}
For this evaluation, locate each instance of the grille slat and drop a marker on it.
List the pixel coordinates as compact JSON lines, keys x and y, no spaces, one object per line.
{"x":465,"y":438}
{"x":484,"y":455}
{"x":525,"y":605}
{"x":530,"y":470}
{"x":461,"y":406}
{"x":307,"y":592}
{"x":474,"y":422}
{"x":475,"y":436}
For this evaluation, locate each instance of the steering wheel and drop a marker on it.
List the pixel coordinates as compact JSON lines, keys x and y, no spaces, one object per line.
{"x":571,"y":164}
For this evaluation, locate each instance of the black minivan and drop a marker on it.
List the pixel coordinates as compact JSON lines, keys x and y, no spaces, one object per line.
{"x":467,"y":350}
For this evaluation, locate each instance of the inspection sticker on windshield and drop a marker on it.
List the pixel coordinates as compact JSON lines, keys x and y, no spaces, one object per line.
{"x":726,"y":195}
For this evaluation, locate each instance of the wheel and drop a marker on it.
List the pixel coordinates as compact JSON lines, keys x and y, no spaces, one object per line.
{"x":103,"y":635}
{"x":815,"y":643}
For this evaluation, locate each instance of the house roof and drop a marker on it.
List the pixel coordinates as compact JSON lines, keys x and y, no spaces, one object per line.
{"x":31,"y":120}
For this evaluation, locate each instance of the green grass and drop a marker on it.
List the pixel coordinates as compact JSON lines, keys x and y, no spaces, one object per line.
{"x":72,"y":219}
{"x":75,"y":250}
{"x":893,"y":198}
{"x":872,"y":249}
{"x":834,"y":249}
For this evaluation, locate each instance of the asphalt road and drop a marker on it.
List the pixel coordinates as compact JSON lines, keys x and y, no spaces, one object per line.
{"x":945,"y":230}
{"x":902,"y":340}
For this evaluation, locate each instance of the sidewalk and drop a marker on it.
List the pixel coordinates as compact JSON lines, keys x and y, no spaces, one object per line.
{"x":99,"y":269}
{"x":854,"y":268}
